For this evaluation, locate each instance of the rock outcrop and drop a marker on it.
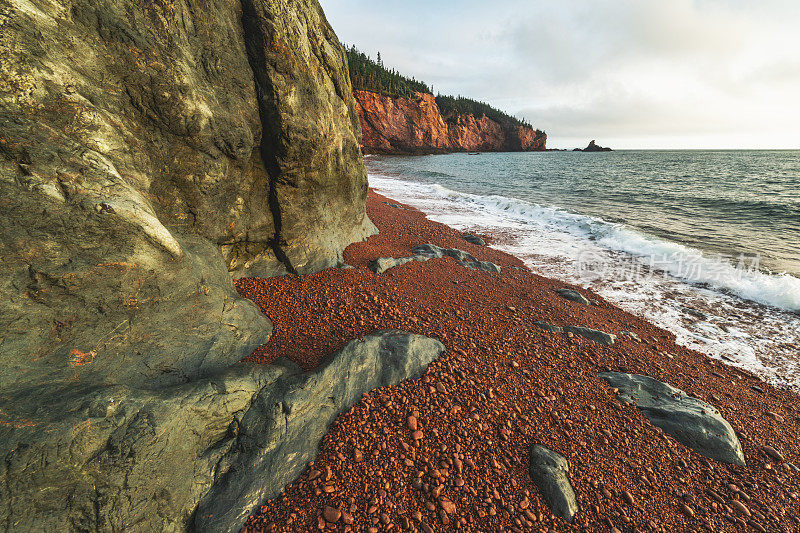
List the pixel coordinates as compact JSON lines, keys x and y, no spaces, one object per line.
{"x":148,"y":152}
{"x":282,"y":430}
{"x":413,"y":126}
{"x":692,"y":422}
{"x":593,"y":147}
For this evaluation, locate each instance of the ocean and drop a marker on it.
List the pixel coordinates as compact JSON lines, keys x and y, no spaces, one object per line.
{"x":705,"y":244}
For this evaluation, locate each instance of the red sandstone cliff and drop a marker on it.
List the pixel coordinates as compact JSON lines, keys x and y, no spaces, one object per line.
{"x":402,"y":125}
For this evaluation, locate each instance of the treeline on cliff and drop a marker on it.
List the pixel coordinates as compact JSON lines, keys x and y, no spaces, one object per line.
{"x":367,"y":74}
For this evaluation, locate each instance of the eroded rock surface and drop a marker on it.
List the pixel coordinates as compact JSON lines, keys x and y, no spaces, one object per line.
{"x":147,"y":151}
{"x":549,"y":471}
{"x":692,"y":422}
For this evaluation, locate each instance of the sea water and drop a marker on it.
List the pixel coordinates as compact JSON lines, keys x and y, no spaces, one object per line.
{"x":705,"y":244}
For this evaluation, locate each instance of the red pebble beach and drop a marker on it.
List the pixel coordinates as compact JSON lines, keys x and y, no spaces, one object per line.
{"x":449,"y":451}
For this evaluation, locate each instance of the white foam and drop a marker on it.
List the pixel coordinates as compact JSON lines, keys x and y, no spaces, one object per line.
{"x":777,"y":290}
{"x":750,"y":316}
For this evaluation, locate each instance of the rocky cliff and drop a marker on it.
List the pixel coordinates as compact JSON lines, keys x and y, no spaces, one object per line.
{"x":403,"y":125}
{"x":149,"y":151}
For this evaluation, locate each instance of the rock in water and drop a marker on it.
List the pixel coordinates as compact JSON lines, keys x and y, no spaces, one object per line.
{"x":692,"y":422}
{"x":282,"y":430}
{"x":574,"y":296}
{"x":594,"y":147}
{"x":150,"y":149}
{"x":548,"y":470}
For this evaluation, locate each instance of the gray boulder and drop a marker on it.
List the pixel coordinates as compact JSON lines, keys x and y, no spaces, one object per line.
{"x":691,"y":421}
{"x":282,"y":430}
{"x":549,"y":470}
{"x":574,"y":296}
{"x":592,"y":334}
{"x":474,"y":239}
{"x":382,"y":264}
{"x":425,"y":252}
{"x":548,"y":327}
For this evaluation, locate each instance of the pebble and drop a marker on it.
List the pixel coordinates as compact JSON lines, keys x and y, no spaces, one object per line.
{"x":628,"y":497}
{"x":412,"y":423}
{"x":331,"y":514}
{"x":448,"y":506}
{"x":742,"y":508}
{"x":417,"y":435}
{"x":772,"y":452}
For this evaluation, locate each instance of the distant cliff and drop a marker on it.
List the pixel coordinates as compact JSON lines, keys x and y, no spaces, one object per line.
{"x":416,"y":125}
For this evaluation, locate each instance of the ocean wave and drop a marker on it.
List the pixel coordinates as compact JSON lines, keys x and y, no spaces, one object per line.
{"x":743,"y":279}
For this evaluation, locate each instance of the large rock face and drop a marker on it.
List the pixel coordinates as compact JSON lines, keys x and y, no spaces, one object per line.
{"x":402,"y":125}
{"x":149,"y":150}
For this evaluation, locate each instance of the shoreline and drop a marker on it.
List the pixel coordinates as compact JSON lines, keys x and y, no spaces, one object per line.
{"x":502,"y":384}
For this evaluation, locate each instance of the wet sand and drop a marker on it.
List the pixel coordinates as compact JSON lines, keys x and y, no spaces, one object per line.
{"x":503,"y":384}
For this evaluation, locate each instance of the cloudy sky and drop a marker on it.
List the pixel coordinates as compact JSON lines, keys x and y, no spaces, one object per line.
{"x":629,"y":73}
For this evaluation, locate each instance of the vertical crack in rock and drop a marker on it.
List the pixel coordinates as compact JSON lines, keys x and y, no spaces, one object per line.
{"x":255,"y":42}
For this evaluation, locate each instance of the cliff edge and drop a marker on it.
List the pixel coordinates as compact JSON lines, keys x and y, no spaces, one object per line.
{"x":398,"y":125}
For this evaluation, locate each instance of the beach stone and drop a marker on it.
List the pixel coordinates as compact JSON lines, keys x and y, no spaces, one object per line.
{"x":485,"y":266}
{"x":474,"y":239}
{"x":630,"y":335}
{"x":592,"y":334}
{"x":548,"y":470}
{"x":426,"y":252}
{"x":548,"y":327}
{"x":572,"y":295}
{"x":382,"y":264}
{"x":692,"y":422}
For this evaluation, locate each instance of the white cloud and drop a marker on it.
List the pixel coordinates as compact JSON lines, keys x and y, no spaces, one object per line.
{"x":633,"y":73}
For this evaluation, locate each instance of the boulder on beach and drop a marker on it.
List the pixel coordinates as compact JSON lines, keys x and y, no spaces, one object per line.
{"x":592,"y":334}
{"x":474,"y":239}
{"x":425,"y":252}
{"x":692,"y":422}
{"x":549,"y":470}
{"x":281,"y":431}
{"x":572,"y":295}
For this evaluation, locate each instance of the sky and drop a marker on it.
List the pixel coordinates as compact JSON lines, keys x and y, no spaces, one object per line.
{"x":628,"y":73}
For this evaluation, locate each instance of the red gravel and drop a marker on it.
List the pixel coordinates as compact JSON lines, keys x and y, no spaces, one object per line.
{"x":461,"y":462}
